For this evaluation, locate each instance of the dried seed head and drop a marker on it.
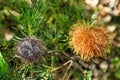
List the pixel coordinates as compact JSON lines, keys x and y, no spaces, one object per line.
{"x":89,"y":43}
{"x":29,"y":49}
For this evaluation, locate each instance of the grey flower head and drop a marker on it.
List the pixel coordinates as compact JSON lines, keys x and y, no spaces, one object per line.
{"x":29,"y":49}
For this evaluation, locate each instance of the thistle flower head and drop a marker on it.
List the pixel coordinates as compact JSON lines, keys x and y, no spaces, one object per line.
{"x":29,"y":49}
{"x":87,"y":42}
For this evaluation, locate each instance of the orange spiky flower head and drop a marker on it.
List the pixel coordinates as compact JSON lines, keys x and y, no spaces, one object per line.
{"x":88,"y":42}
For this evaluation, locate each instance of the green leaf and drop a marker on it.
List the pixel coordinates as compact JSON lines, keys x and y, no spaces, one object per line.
{"x":89,"y":74}
{"x":3,"y":65}
{"x":117,"y":74}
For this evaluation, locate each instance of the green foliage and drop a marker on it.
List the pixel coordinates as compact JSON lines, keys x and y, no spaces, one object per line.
{"x":116,"y":62}
{"x":31,"y":16}
{"x":89,"y":74}
{"x":43,"y":72}
{"x":3,"y":66}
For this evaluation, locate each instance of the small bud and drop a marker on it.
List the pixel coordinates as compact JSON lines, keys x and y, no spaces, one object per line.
{"x":29,"y":49}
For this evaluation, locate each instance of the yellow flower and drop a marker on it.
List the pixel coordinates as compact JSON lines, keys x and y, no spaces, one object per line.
{"x":88,"y":42}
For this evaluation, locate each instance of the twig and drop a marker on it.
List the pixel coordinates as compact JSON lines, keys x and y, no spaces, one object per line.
{"x":81,"y":69}
{"x":61,"y":66}
{"x":64,"y":77}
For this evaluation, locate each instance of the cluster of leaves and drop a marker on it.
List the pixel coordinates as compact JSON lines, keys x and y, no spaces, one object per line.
{"x":49,"y":21}
{"x":3,"y":67}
